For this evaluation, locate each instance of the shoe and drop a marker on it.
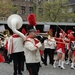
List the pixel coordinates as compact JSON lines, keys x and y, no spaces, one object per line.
{"x":62,"y":67}
{"x":6,"y":62}
{"x":45,"y":64}
{"x":59,"y":66}
{"x":22,"y":69}
{"x":54,"y":66}
{"x":19,"y":73}
{"x":67,"y":63}
{"x":40,"y":65}
{"x":70,"y":61}
{"x":51,"y":63}
{"x":15,"y":74}
{"x":73,"y":68}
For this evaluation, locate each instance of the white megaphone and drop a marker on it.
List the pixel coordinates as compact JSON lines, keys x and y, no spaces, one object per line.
{"x":15,"y":22}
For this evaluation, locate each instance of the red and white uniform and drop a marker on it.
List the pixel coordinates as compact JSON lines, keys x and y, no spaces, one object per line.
{"x":15,"y":44}
{"x":60,"y":44}
{"x":32,"y":47}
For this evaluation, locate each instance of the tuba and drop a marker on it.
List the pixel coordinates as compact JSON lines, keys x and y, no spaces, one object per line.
{"x":15,"y":22}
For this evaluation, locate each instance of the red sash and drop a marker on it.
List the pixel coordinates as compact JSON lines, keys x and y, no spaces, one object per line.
{"x":35,"y":40}
{"x":15,"y":36}
{"x":11,"y":43}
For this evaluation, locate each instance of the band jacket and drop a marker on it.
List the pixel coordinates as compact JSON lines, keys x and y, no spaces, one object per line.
{"x":32,"y":47}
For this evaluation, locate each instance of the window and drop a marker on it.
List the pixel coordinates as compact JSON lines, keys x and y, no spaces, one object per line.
{"x":30,"y":10}
{"x":22,"y":9}
{"x":3,"y":18}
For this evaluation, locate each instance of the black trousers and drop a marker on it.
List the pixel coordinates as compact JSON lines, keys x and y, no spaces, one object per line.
{"x":52,"y":56}
{"x":42,"y":59}
{"x":5,"y":55}
{"x":66,"y":54}
{"x":17,"y":61}
{"x":10,"y":58}
{"x":46,"y":53}
{"x":33,"y":68}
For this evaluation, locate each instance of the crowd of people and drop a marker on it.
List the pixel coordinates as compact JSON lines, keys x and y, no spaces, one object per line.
{"x":35,"y":49}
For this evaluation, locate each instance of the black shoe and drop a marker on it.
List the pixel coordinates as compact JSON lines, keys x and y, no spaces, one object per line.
{"x":45,"y":64}
{"x":15,"y":74}
{"x":40,"y":65}
{"x":22,"y":69}
{"x":7,"y":62}
{"x":19,"y":73}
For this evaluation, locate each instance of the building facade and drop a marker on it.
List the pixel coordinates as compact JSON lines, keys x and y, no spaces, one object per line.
{"x":24,"y":7}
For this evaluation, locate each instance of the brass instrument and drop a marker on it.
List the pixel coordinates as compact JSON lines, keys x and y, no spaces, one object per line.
{"x":6,"y":33}
{"x":15,"y":22}
{"x":49,"y":34}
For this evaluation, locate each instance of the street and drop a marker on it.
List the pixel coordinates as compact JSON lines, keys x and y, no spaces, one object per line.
{"x":7,"y":69}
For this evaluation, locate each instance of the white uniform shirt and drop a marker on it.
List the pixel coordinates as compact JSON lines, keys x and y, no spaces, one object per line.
{"x":32,"y":53}
{"x":17,"y":44}
{"x":50,"y":44}
{"x":46,"y":44}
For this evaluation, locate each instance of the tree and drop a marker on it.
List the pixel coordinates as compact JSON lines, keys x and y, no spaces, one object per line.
{"x":55,"y":10}
{"x":6,"y":8}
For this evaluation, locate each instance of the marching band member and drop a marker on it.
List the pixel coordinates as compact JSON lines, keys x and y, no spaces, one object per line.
{"x":60,"y":51}
{"x":67,"y":42}
{"x":52,"y":45}
{"x":6,"y":48}
{"x":73,"y":54}
{"x":71,"y":38}
{"x":17,"y":51}
{"x":32,"y":54}
{"x":46,"y":51}
{"x":16,"y":47}
{"x":41,"y":39}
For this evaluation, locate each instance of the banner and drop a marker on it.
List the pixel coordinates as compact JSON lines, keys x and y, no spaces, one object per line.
{"x":46,"y":28}
{"x":2,"y":28}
